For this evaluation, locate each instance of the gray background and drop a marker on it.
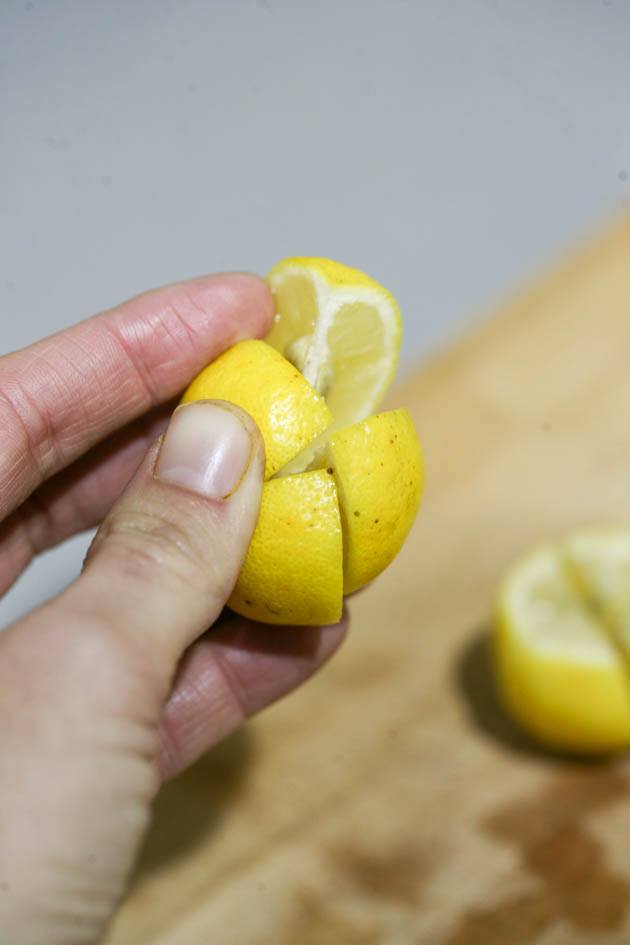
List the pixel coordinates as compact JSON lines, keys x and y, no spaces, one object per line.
{"x":448,"y":148}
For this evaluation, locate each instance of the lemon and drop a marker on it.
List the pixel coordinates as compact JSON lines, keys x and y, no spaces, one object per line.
{"x":338,"y":501}
{"x":561,"y":642}
{"x":378,"y":471}
{"x":293,"y":572}
{"x":289,"y":413}
{"x":340,"y":328}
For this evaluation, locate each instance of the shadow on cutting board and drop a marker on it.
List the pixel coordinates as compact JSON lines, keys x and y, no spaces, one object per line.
{"x":474,"y":679}
{"x":189,"y":808}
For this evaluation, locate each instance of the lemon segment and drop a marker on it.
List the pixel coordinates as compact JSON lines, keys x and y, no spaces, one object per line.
{"x":252,"y":375}
{"x":601,"y":564}
{"x":377,"y":465}
{"x":340,"y":328}
{"x":293,"y":571}
{"x":558,"y":670}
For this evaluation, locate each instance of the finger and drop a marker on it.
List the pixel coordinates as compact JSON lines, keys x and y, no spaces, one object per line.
{"x":231,"y":674}
{"x":77,"y":498}
{"x":64,"y":394}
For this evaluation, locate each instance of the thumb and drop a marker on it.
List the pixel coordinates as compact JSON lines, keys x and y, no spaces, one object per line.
{"x":83,"y":679}
{"x":166,"y":558}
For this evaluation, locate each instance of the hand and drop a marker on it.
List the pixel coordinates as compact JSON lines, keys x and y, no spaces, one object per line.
{"x":114,"y":685}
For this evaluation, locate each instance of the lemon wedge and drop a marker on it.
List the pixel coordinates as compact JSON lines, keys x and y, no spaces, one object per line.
{"x":561,"y":642}
{"x":378,"y":470}
{"x":293,"y":572}
{"x":340,"y":328}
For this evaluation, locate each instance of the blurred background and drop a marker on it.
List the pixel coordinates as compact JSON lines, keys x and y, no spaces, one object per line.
{"x":450,"y":150}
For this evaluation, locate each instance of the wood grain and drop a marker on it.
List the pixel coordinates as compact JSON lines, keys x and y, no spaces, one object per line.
{"x":390,"y":802}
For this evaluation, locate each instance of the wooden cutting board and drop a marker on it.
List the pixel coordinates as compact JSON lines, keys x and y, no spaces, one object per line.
{"x":390,"y":802}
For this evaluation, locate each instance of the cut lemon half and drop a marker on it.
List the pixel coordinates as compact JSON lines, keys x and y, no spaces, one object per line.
{"x":340,"y":328}
{"x":561,"y":643}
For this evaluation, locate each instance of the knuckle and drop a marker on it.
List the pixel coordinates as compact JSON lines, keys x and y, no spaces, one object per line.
{"x":147,"y":542}
{"x":27,"y":426}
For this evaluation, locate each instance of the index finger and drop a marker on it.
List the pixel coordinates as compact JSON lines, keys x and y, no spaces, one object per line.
{"x":64,"y":394}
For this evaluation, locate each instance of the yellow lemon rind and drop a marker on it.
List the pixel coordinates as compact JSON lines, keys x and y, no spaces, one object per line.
{"x":379,"y":473}
{"x":293,"y":570}
{"x":255,"y":377}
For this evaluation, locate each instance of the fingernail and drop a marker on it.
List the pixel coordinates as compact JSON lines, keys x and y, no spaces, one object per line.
{"x":206,"y":449}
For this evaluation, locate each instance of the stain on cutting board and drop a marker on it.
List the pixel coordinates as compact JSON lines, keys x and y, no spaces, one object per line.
{"x":397,"y":876}
{"x":551,"y":833}
{"x":319,"y":924}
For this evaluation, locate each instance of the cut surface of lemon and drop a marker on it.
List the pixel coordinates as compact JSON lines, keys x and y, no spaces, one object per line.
{"x":340,"y":328}
{"x":600,"y":561}
{"x":561,"y":642}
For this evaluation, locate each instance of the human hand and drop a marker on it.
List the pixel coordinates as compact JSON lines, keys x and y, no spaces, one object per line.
{"x":114,"y":685}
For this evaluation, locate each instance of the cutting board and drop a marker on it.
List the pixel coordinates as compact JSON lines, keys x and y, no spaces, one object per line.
{"x":390,"y":802}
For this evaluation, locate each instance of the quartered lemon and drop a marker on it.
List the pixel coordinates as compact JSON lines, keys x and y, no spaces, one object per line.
{"x":562,"y":642}
{"x":343,"y":487}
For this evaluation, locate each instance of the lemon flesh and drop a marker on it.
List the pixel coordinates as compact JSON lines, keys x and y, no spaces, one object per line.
{"x":378,"y":470}
{"x":293,"y":572}
{"x":601,"y":564}
{"x":289,"y":413}
{"x":560,"y":664}
{"x":340,"y":328}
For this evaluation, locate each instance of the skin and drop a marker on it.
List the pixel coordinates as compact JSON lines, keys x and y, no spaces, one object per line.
{"x":117,"y":683}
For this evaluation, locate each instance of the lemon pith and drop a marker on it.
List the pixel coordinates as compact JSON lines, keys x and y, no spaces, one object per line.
{"x":560,"y":655}
{"x":306,"y":550}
